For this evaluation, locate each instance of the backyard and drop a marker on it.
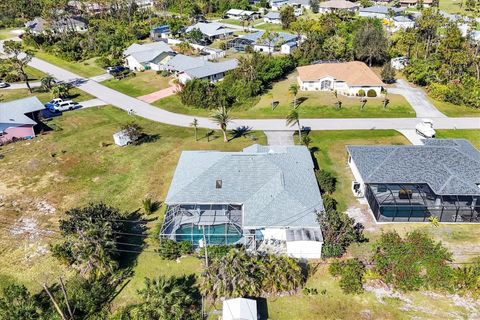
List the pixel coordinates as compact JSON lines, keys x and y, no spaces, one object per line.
{"x":139,"y":84}
{"x":311,"y":105}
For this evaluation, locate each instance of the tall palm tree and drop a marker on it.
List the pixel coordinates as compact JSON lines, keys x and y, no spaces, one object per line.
{"x":294,"y":91}
{"x":194,"y":124}
{"x":47,"y":82}
{"x":222,"y":118}
{"x":386,"y":101}
{"x":294,"y":118}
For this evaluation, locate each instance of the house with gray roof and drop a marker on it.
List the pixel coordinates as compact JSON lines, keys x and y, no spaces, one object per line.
{"x":18,"y":118}
{"x":258,"y":42}
{"x":414,"y":183}
{"x":260,"y":193}
{"x":272,"y":17}
{"x":139,"y":57}
{"x":210,"y":71}
{"x":211,"y":30}
{"x":380,"y":12}
{"x":68,"y":24}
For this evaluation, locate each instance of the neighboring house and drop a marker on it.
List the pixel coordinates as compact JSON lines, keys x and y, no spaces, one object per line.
{"x":87,"y":7}
{"x":346,"y":78}
{"x":467,"y":31}
{"x":272,"y":17}
{"x":252,"y":197}
{"x":39,"y":25}
{"x":380,"y":12}
{"x":413,"y":183}
{"x":414,"y":3}
{"x":160,"y":33}
{"x":211,"y":30}
{"x":399,"y":63}
{"x":338,"y":5}
{"x":18,"y":118}
{"x":400,"y":22}
{"x":140,"y":57}
{"x":283,"y":43}
{"x":298,"y":5}
{"x":242,"y":14}
{"x":239,"y":309}
{"x":144,"y":4}
{"x":211,"y":71}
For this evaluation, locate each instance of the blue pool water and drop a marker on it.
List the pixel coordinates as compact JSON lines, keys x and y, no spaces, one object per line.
{"x":217,"y":234}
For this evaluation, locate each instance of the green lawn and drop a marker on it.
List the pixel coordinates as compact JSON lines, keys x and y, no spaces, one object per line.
{"x":141,"y":84}
{"x":452,"y":6}
{"x":271,"y":27}
{"x":452,"y":110}
{"x":315,"y":105}
{"x":6,"y":33}
{"x":70,"y":167}
{"x":13,"y":94}
{"x":472,"y":135}
{"x":87,"y":68}
{"x":34,"y":74}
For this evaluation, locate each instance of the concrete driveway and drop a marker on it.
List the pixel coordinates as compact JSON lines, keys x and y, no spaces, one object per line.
{"x":418,"y":99}
{"x":143,"y":109}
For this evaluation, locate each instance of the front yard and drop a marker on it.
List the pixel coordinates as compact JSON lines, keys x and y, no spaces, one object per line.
{"x":453,"y":110}
{"x":87,"y":68}
{"x":13,"y":94}
{"x":139,"y":84}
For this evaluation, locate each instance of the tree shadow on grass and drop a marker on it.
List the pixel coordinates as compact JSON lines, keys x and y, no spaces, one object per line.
{"x":242,"y":131}
{"x":147,"y":138}
{"x":301,"y":100}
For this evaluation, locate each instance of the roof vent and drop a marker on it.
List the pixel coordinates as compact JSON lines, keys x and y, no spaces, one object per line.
{"x":218,"y":184}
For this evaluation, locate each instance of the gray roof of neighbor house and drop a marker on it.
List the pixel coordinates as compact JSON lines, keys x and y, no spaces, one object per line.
{"x":210,"y":28}
{"x":182,"y":62}
{"x":281,"y":39}
{"x":448,"y":166}
{"x":13,"y":112}
{"x":381,"y":9}
{"x":402,"y":19}
{"x":272,"y":15}
{"x":39,"y":25}
{"x":275,"y":185}
{"x":211,"y":68}
{"x":147,"y":52}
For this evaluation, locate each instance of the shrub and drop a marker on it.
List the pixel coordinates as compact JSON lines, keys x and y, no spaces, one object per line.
{"x":103,"y":62}
{"x":168,"y":249}
{"x":351,"y":273}
{"x":185,"y":247}
{"x":326,"y":181}
{"x":150,"y":206}
{"x":388,"y":73}
{"x":361,"y":93}
{"x":371,"y":93}
{"x":216,"y":252}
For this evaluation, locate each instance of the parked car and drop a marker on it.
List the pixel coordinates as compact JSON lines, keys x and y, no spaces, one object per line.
{"x":50,"y":105}
{"x":425,"y":128}
{"x":66,"y":105}
{"x":3,"y":84}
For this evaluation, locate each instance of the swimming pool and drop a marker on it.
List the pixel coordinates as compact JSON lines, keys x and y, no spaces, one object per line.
{"x":214,"y":234}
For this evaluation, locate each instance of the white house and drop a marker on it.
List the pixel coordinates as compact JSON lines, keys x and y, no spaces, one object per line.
{"x":399,"y":63}
{"x":272,"y":17}
{"x":298,"y":5}
{"x":242,"y":14}
{"x":414,"y":3}
{"x":284,"y":43}
{"x":261,"y":195}
{"x":347,"y":78}
{"x":140,"y":57}
{"x":211,"y":71}
{"x":380,"y":12}
{"x":400,"y":22}
{"x":337,"y":5}
{"x":211,"y":30}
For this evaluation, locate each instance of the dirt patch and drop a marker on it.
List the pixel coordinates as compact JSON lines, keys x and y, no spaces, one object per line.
{"x":363,"y":216}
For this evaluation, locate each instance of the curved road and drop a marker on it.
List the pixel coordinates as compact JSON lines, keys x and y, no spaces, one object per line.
{"x":148,"y":111}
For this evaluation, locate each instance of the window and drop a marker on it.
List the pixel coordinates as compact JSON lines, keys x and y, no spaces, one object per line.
{"x":218,"y":184}
{"x":325,"y":85}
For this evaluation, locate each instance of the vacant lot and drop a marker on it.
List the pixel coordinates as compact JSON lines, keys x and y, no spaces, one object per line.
{"x":87,"y":68}
{"x":453,"y":110}
{"x":312,"y":105}
{"x":141,"y":83}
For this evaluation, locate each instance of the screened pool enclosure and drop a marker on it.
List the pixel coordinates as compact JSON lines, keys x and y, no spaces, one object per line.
{"x":417,"y":203}
{"x":216,"y":223}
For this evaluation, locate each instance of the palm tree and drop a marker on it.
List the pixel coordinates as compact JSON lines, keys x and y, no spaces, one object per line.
{"x":47,"y":83}
{"x":194,"y":124}
{"x":294,"y":91}
{"x":338,"y":103}
{"x":222,"y":118}
{"x":61,"y":90}
{"x":363,"y":102}
{"x":386,"y":101}
{"x":292,"y":119}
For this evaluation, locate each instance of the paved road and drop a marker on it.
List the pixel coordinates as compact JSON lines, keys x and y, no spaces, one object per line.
{"x":418,"y":99}
{"x":148,"y":111}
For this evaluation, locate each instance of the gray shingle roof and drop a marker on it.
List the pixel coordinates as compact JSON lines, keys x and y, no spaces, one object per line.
{"x":211,"y":68}
{"x":147,"y":52}
{"x":448,"y":166}
{"x":381,"y":9}
{"x":275,"y":185}
{"x":281,"y":39}
{"x":272,"y":15}
{"x":13,"y":112}
{"x":210,"y":28}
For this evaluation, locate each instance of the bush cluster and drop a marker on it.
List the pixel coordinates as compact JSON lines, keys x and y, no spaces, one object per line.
{"x":171,"y":250}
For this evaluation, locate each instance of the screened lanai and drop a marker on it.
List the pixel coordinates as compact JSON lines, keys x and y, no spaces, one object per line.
{"x":417,"y":202}
{"x":216,"y":223}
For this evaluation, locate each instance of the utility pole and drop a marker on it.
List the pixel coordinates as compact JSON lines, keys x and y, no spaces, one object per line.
{"x":206,"y":247}
{"x":62,"y":285}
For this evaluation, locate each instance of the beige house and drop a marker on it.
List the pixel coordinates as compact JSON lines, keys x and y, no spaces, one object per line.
{"x":338,"y":5}
{"x":347,"y":78}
